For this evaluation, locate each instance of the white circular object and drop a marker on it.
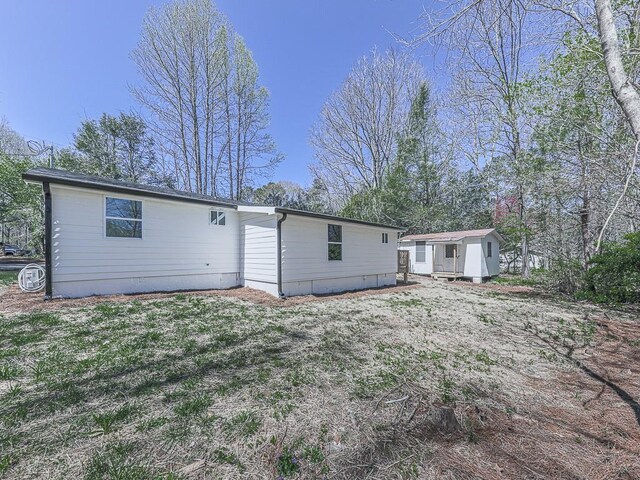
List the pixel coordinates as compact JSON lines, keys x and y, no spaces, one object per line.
{"x":31,"y":278}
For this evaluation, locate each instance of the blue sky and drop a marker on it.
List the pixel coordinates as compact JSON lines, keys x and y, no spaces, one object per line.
{"x":65,"y":61}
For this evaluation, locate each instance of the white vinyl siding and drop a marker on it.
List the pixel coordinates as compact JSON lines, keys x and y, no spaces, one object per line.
{"x":304,"y":251}
{"x":491,"y":265}
{"x":181,"y":250}
{"x":177,"y":251}
{"x":258,"y":245}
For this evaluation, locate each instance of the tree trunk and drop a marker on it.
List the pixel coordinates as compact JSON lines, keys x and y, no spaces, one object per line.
{"x":584,"y":228}
{"x":623,"y":90}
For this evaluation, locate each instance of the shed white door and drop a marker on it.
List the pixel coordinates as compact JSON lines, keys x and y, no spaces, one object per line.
{"x":450,"y":251}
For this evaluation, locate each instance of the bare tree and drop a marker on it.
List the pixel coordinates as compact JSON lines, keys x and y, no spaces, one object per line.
{"x":176,"y":57}
{"x":188,"y":57}
{"x":594,"y":18}
{"x":488,"y":48}
{"x":255,"y":152}
{"x":356,"y":134}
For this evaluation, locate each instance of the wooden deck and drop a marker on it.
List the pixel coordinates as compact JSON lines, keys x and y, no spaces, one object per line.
{"x":447,"y":275}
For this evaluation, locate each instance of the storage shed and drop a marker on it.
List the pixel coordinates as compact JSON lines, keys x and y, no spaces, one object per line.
{"x":470,"y":254}
{"x":105,"y":237}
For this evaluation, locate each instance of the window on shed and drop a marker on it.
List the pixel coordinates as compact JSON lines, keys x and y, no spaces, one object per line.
{"x":421,"y":252}
{"x":123,"y":218}
{"x":217,"y":218}
{"x":449,"y":251}
{"x":335,"y":242}
{"x":489,"y":252}
{"x":385,"y":238}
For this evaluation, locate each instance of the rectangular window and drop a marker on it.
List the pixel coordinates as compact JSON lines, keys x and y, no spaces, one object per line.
{"x":421,"y":252}
{"x":123,"y":218}
{"x":217,"y":218}
{"x":385,"y":238}
{"x":335,"y":242}
{"x":489,"y":252}
{"x":449,"y":251}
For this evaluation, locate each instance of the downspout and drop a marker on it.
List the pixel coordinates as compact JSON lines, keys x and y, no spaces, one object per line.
{"x":279,"y":252}
{"x":48,"y":242}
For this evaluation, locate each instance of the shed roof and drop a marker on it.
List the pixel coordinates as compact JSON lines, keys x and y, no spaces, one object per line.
{"x":64,"y":177}
{"x":444,"y":237}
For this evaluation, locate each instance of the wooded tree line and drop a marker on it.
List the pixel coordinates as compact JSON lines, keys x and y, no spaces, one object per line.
{"x":536,"y":133}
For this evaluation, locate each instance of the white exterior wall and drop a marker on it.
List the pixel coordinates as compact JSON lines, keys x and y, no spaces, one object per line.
{"x":258,"y":251}
{"x":474,"y":261}
{"x":366,"y":261}
{"x":421,"y":268}
{"x":462,"y":255}
{"x":178,"y":250}
{"x":491,"y":266}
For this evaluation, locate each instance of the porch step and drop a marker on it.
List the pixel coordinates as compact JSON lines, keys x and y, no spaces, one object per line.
{"x":444,"y":278}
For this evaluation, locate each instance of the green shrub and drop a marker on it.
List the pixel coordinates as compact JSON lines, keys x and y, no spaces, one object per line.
{"x":565,"y":276}
{"x":614,"y":274}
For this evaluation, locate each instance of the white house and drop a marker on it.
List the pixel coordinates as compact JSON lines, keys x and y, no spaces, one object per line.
{"x":471,"y":254}
{"x":105,"y":237}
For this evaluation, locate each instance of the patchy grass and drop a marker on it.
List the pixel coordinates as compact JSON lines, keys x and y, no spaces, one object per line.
{"x":215,"y":387}
{"x":8,"y":278}
{"x":534,"y":280}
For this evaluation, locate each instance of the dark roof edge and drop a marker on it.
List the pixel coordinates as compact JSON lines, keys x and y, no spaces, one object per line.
{"x":62,"y":177}
{"x":125,"y":189}
{"x":304,"y":213}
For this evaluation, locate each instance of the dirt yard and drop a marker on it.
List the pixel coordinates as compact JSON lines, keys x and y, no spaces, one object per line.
{"x":433,"y":380}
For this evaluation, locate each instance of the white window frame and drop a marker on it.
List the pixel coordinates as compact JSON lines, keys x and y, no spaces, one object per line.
{"x":219,"y":214}
{"x":452,"y":247}
{"x":385,"y":237}
{"x":335,"y":243}
{"x":105,"y":217}
{"x":489,"y":250}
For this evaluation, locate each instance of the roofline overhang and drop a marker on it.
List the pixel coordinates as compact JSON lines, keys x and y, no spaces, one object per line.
{"x":324,"y":216}
{"x":105,"y":185}
{"x":453,"y":240}
{"x":446,"y":240}
{"x":31,"y":177}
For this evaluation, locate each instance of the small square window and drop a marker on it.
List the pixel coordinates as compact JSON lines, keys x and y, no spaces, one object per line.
{"x":335,"y":233}
{"x":449,"y":251}
{"x":123,"y":218}
{"x":217,"y":218}
{"x":335,"y":251}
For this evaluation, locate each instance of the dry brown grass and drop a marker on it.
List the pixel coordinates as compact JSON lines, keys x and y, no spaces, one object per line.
{"x":229,"y":385}
{"x":16,"y":301}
